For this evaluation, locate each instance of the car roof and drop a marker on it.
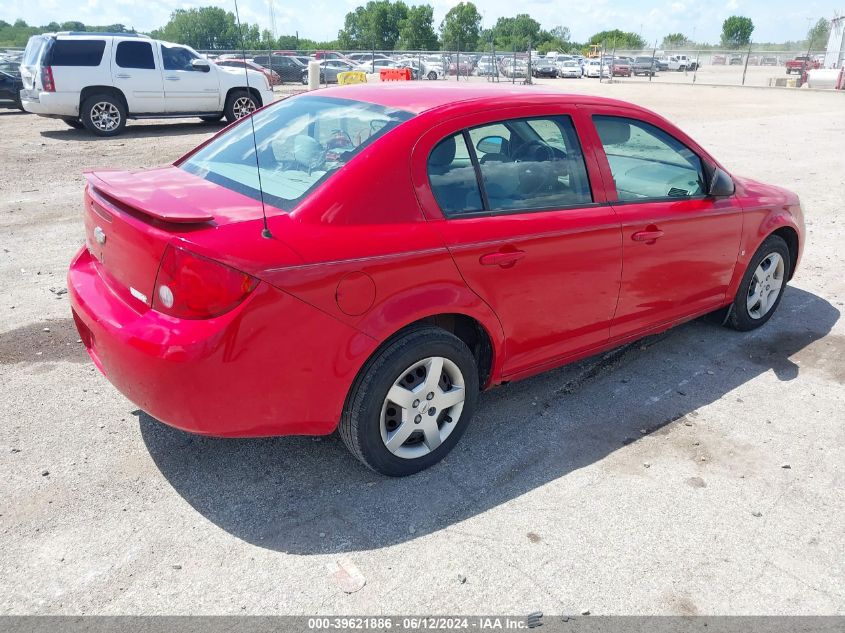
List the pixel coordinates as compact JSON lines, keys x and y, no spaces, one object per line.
{"x":412,"y":97}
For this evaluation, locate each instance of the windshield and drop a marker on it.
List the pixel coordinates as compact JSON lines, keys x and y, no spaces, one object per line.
{"x":301,"y":142}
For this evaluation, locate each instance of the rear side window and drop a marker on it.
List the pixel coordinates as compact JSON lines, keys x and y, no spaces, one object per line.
{"x":34,"y":48}
{"x":646,"y":162}
{"x":452,"y":177}
{"x":135,"y":55}
{"x":524,"y":164}
{"x":77,"y":52}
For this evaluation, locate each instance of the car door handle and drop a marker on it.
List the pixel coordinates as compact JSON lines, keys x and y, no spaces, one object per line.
{"x":123,"y":76}
{"x":649,"y":235}
{"x":505,"y":259}
{"x":172,"y":78}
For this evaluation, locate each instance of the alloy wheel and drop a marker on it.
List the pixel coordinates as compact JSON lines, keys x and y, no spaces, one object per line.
{"x":243,"y":106}
{"x":765,"y":286}
{"x":423,"y":407}
{"x":105,"y":116}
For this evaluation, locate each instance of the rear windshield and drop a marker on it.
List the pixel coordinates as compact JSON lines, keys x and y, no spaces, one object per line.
{"x":301,"y":141}
{"x":76,"y":53}
{"x":34,"y":47}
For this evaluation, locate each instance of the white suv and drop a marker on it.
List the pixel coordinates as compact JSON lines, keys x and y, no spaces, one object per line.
{"x":99,"y":80}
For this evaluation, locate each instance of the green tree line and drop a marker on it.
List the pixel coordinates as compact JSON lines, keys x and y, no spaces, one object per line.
{"x":395,"y":25}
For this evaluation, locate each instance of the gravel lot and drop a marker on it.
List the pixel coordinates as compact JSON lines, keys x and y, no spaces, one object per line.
{"x":697,"y":472}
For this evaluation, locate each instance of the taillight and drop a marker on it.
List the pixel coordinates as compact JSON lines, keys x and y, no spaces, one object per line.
{"x":47,"y":83}
{"x":189,"y":286}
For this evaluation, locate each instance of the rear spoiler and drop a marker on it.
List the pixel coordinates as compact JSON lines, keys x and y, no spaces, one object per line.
{"x":157,"y":205}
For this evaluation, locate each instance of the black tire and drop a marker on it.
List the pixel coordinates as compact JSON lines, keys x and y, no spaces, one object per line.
{"x":432,"y":75}
{"x":360,"y":424}
{"x":740,"y":317}
{"x":232,"y":101}
{"x":76,"y":124}
{"x":212,"y":118}
{"x":92,"y":118}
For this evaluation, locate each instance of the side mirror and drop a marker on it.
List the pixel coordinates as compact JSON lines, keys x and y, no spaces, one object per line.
{"x":490,"y":145}
{"x":721,"y":185}
{"x":200,"y":65}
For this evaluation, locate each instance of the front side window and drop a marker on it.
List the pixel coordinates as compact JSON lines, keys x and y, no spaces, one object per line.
{"x":525,"y":164}
{"x":646,"y":162}
{"x":177,"y":58}
{"x":135,"y":55}
{"x":301,"y":142}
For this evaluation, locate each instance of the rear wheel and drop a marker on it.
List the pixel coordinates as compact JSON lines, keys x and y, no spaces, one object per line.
{"x":103,"y":115}
{"x":240,"y":103}
{"x":432,"y":75}
{"x":411,"y":403}
{"x":762,"y":286}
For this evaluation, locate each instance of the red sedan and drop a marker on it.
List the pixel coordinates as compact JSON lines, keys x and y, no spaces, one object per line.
{"x":421,"y":244}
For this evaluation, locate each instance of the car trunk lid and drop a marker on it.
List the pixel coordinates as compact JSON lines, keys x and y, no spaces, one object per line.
{"x":131,"y":217}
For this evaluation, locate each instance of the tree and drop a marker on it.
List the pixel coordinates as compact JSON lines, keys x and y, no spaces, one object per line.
{"x":818,"y":33}
{"x":206,"y":28}
{"x":736,"y":31}
{"x":625,"y":40}
{"x":376,"y":25}
{"x":416,"y":31}
{"x":461,"y":27}
{"x":516,"y":33}
{"x":675,"y":40}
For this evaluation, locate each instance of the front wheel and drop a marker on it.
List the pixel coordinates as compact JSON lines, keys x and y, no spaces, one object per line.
{"x":76,"y":124}
{"x":411,"y":403}
{"x":432,"y":75}
{"x":762,"y":286}
{"x":240,"y":104}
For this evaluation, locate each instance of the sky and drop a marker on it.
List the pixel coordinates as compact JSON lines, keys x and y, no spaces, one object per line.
{"x":701,"y":20}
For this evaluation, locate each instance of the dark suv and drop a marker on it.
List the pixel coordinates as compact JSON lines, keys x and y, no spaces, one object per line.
{"x":287,"y":67}
{"x":644,"y":66}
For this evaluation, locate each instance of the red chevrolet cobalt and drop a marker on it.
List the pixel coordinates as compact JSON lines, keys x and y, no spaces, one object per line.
{"x":421,"y":244}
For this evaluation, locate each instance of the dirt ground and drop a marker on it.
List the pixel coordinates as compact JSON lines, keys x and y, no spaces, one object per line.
{"x":700,"y":471}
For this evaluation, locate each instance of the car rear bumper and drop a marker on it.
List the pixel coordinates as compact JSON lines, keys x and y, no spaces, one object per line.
{"x":51,"y":103}
{"x":274,"y":365}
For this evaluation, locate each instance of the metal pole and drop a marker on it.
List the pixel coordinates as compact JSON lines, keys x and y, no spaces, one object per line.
{"x":513,"y":71}
{"x":528,"y":78}
{"x":458,"y":62}
{"x":601,"y":61}
{"x":695,"y":72}
{"x":653,"y":56}
{"x":745,"y":68}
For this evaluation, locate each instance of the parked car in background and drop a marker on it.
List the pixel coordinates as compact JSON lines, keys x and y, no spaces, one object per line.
{"x":272,"y":76}
{"x":462,"y":65}
{"x":487,"y":66}
{"x":644,"y":65}
{"x":544,"y":68}
{"x":596,"y":69}
{"x":620,"y":68}
{"x":98,"y":81}
{"x":681,"y":63}
{"x":329,"y":70}
{"x":375,"y":65}
{"x":287,"y":67}
{"x":769,"y":60}
{"x":482,"y":266}
{"x":661,"y":64}
{"x":11,"y":85}
{"x":718,"y":60}
{"x":736,"y":60}
{"x":421,"y":70}
{"x":514,"y":68}
{"x":801,"y":63}
{"x":570,"y":69}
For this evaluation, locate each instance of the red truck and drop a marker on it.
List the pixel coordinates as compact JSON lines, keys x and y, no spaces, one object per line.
{"x":800,"y":64}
